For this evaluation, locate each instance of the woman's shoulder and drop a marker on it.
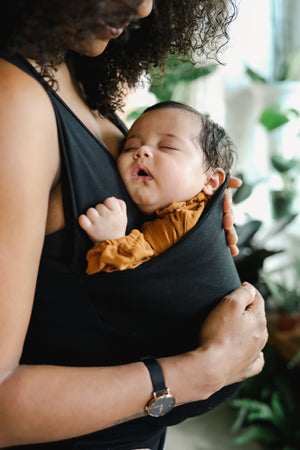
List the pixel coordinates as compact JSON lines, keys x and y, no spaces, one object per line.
{"x":18,"y":89}
{"x":27,"y":125}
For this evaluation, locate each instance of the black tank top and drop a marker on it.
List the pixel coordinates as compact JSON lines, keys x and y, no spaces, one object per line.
{"x":115,"y":318}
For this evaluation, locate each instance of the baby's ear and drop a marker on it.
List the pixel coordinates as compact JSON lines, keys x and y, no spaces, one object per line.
{"x":214,"y":181}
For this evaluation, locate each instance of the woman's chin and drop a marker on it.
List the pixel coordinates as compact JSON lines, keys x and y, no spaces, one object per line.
{"x":92,"y":48}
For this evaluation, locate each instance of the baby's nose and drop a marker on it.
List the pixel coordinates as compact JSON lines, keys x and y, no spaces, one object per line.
{"x":143,"y":152}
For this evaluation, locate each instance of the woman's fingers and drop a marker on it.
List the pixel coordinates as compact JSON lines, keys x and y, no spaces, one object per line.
{"x":236,"y":327}
{"x":257,"y":305}
{"x":236,"y":332}
{"x":231,"y":234}
{"x":232,"y":239}
{"x":257,"y":366}
{"x":228,"y":217}
{"x":244,"y":296}
{"x":228,"y":220}
{"x":227,"y":201}
{"x":228,"y":224}
{"x":235,"y":182}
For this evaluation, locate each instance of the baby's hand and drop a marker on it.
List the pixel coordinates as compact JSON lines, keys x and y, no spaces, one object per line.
{"x":108,"y":220}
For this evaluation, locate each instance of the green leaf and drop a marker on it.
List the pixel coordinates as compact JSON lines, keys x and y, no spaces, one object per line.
{"x":297,"y":266}
{"x":278,"y":407}
{"x":295,"y":112}
{"x":266,"y":415}
{"x":251,"y":405}
{"x":188,"y":72}
{"x":286,"y":392}
{"x":255,"y":76}
{"x":281,"y":164}
{"x":180,"y":92}
{"x":239,"y":420}
{"x":280,"y":416}
{"x":272,"y":118}
{"x":256,"y":433}
{"x":243,"y":192}
{"x":178,"y":71}
{"x":136,"y":113}
{"x":293,"y":362}
{"x":242,"y":402}
{"x":287,"y":300}
{"x":162,"y":92}
{"x":265,"y":393}
{"x":293,"y":66}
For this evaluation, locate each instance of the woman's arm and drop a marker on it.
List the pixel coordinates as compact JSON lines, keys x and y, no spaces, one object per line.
{"x":46,"y":403}
{"x":41,"y":403}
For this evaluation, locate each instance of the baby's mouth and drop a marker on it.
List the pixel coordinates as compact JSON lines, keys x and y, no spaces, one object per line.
{"x":141,"y":172}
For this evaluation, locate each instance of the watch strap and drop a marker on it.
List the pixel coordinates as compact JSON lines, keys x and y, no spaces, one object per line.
{"x":156,"y":374}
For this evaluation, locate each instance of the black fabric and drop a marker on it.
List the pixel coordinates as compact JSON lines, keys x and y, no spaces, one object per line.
{"x":162,"y":303}
{"x":106,"y":319}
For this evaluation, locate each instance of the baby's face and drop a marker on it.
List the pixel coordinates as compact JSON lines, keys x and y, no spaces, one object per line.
{"x":162,"y":161}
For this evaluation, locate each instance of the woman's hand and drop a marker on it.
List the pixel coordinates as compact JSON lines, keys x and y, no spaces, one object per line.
{"x":236,"y":332}
{"x":230,"y":348}
{"x":228,"y":218}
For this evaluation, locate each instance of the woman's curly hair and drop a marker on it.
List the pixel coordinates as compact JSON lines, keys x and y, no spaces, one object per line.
{"x":52,"y":27}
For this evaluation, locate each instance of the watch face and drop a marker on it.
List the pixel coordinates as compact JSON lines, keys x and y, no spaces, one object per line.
{"x":161,"y":405}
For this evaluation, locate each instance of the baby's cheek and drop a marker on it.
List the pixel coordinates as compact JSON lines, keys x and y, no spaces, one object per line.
{"x":121,"y":166}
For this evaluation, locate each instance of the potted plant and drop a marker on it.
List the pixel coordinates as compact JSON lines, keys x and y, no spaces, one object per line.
{"x":174,"y":82}
{"x":253,"y":238}
{"x":276,"y":99}
{"x":284,"y":195}
{"x":267,"y":407}
{"x":282,"y":142}
{"x":286,"y":299}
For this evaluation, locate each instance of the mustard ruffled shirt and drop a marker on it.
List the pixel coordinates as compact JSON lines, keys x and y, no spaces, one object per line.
{"x":156,"y":236}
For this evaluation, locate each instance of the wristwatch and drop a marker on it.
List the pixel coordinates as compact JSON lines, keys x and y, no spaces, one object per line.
{"x":162,"y":401}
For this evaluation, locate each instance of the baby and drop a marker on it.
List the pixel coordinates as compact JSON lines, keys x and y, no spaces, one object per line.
{"x":173,"y":160}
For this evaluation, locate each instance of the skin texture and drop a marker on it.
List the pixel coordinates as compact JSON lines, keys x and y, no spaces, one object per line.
{"x":46,"y":403}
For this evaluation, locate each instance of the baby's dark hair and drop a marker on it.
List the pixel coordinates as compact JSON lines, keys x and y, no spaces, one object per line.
{"x":216,"y":144}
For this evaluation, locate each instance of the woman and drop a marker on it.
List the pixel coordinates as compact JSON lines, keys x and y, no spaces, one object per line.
{"x":55,"y":147}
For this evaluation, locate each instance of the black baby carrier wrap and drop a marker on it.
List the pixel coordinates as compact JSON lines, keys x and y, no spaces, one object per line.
{"x":116,"y":318}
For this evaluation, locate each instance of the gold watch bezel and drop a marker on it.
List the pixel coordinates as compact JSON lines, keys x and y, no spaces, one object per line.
{"x":166,"y":395}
